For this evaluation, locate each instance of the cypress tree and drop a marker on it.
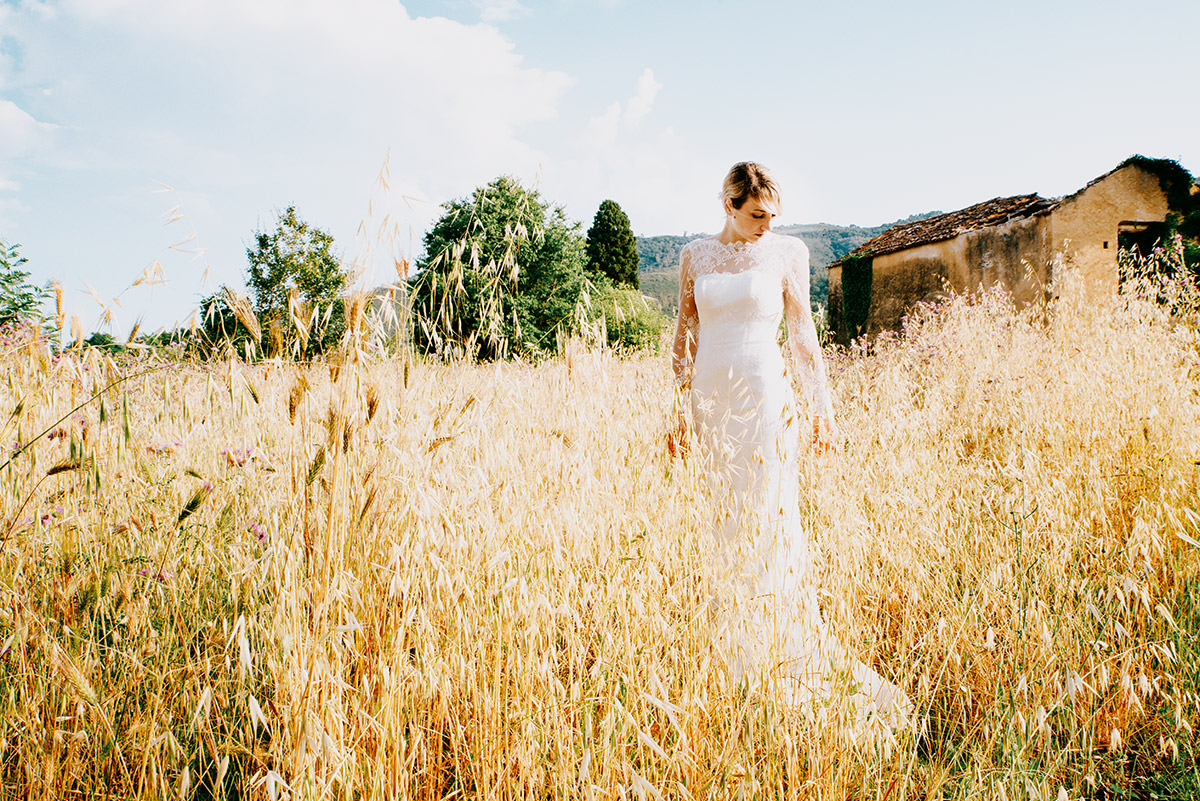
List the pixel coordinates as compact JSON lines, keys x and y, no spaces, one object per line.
{"x":611,"y":247}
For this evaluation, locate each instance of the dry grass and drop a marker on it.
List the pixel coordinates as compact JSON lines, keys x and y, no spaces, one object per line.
{"x":396,"y":579}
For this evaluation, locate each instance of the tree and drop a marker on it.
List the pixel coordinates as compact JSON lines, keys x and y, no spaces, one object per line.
{"x":105,"y":342}
{"x":21,"y":302}
{"x":500,"y":276}
{"x":227,"y":325}
{"x":297,"y":283}
{"x":612,"y":247}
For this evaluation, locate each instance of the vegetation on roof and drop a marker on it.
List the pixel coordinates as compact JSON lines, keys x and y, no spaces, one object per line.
{"x":1176,"y":182}
{"x":1183,"y":200}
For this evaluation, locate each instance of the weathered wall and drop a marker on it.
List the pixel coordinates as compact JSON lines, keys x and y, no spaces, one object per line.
{"x":1082,"y":223}
{"x":1015,"y":254}
{"x":908,"y":277}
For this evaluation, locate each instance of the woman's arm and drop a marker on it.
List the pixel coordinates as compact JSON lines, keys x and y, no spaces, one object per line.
{"x":683,"y":353}
{"x":807,"y":360}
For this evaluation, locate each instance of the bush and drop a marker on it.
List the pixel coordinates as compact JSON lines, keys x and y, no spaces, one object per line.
{"x":631,"y":322}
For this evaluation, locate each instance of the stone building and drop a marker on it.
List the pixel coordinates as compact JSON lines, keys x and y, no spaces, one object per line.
{"x":1012,"y":241}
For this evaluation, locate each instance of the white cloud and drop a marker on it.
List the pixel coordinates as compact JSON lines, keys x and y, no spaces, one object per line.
{"x":251,"y":105}
{"x":20,"y":133}
{"x":430,"y":79}
{"x":500,"y":10}
{"x":651,"y":170}
{"x":307,"y":91}
{"x":604,"y":129}
{"x":20,"y":136}
{"x":639,"y":105}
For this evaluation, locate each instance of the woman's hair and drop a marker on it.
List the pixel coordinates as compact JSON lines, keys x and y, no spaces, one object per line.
{"x":747,"y":180}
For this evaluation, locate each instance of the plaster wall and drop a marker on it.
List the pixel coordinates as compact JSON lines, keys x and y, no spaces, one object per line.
{"x":902,"y":279}
{"x":1083,"y":223}
{"x":1015,"y":254}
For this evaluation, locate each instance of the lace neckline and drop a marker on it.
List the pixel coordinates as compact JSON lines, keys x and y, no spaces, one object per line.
{"x":711,"y":255}
{"x":739,"y":246}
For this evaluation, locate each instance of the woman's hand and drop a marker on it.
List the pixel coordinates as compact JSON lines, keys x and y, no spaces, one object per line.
{"x":824,"y":434}
{"x":677,"y":437}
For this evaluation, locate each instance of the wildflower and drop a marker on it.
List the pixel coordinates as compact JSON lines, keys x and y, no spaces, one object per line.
{"x":164,"y":448}
{"x":239,"y":457}
{"x":259,"y":531}
{"x":161,"y":576}
{"x":51,"y":514}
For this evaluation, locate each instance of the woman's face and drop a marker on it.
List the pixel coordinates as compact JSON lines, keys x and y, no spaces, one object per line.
{"x":752,"y":220}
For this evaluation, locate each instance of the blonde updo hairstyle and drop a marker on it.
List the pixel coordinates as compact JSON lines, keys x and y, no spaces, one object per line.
{"x":748,"y":179}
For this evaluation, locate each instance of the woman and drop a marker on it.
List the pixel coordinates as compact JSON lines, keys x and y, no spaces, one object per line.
{"x":734,"y":289}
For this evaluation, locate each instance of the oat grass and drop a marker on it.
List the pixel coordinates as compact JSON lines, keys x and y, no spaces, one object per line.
{"x":396,"y":579}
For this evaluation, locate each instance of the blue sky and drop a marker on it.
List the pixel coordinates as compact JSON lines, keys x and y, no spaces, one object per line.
{"x":150,"y":138}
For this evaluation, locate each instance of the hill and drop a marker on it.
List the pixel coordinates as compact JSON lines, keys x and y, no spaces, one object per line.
{"x":658,"y":269}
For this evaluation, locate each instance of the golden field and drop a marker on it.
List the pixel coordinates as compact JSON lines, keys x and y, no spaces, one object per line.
{"x":376,"y":578}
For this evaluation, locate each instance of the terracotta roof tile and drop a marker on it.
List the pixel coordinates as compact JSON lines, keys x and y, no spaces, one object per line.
{"x":947,"y":226}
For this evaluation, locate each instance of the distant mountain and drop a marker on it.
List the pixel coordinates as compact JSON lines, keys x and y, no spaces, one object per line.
{"x":658,"y":269}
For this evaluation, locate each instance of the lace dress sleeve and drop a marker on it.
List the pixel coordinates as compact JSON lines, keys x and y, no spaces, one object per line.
{"x":686,"y":327}
{"x":807,"y":360}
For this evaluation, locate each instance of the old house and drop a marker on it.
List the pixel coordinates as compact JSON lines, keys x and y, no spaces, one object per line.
{"x":1012,"y":241}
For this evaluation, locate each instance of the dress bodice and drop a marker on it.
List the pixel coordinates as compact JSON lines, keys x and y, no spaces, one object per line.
{"x":739,"y":288}
{"x":732,"y":298}
{"x":739,"y":322}
{"x":739,"y":306}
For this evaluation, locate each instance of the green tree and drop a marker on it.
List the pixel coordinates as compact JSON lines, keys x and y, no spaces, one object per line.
{"x":227,"y":325}
{"x":500,"y":276}
{"x":297,"y":283}
{"x":105,"y":342}
{"x":20,"y":301}
{"x":612,"y":247}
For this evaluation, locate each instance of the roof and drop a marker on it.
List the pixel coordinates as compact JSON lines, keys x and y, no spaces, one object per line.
{"x":947,"y":226}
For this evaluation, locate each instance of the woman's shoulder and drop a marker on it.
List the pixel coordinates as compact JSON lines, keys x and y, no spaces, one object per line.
{"x":792,"y":244}
{"x":700,"y":244}
{"x":700,"y":253}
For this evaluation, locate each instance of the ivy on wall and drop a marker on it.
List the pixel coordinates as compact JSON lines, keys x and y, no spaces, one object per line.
{"x":856,"y":292}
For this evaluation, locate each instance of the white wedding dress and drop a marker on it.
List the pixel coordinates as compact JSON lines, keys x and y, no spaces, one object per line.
{"x":746,"y":420}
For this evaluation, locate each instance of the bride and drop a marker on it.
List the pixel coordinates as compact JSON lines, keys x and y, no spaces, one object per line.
{"x":734,"y":289}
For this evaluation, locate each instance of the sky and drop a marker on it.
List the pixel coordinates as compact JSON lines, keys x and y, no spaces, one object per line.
{"x":144,"y":142}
